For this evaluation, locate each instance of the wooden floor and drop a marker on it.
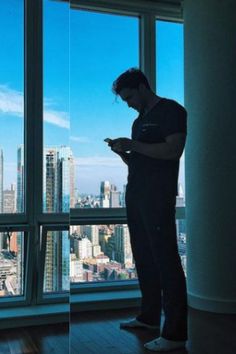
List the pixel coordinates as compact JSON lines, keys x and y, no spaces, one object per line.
{"x":99,"y":333}
{"x":47,"y":339}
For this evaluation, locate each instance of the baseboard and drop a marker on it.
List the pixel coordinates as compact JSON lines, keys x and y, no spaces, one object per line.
{"x":105,"y":300}
{"x":211,"y":304}
{"x":34,"y":315}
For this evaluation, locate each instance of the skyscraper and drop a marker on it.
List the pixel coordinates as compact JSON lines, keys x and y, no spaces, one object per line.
{"x":123,"y":253}
{"x":9,"y":200}
{"x":92,"y":232}
{"x":83,"y":248}
{"x":58,"y":164}
{"x":114,"y":197}
{"x":20,"y":179}
{"x":58,"y":179}
{"x":66,"y":168}
{"x":123,"y":196}
{"x":105,"y":189}
{"x":20,"y":200}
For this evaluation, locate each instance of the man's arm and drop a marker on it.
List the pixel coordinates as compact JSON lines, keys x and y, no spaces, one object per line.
{"x":171,"y":149}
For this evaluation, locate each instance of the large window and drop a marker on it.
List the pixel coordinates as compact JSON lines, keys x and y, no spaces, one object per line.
{"x":58,"y":162}
{"x":101,"y":253}
{"x":170,"y":71}
{"x":12,"y":107}
{"x":107,"y":46}
{"x":12,"y":171}
{"x":56,"y":109}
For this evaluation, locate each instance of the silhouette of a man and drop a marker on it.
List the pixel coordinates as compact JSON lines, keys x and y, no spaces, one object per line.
{"x":152,"y":155}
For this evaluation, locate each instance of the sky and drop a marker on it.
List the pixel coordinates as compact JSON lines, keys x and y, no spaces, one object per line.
{"x":84,"y":52}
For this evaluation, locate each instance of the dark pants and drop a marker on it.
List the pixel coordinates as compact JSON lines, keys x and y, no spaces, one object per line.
{"x":162,"y":282}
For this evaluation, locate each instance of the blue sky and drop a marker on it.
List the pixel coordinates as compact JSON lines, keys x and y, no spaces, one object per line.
{"x":93,"y":49}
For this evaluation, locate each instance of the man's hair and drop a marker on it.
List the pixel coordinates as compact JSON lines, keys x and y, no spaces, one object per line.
{"x":131,"y":78}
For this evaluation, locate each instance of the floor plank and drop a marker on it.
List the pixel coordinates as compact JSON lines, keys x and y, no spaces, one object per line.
{"x":98,"y":332}
{"x":47,"y":339}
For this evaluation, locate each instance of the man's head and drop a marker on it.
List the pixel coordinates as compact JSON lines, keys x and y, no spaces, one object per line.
{"x":133,"y":87}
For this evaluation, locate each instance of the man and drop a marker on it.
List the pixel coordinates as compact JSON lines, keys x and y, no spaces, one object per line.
{"x":152,"y":156}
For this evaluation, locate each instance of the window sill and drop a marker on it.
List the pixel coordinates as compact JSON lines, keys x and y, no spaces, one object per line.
{"x":105,"y":300}
{"x":34,"y":315}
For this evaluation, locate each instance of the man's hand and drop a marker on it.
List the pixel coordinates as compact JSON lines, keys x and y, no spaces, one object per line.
{"x":121,"y":145}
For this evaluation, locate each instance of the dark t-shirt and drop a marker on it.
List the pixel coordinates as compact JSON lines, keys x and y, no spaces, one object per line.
{"x":167,"y":117}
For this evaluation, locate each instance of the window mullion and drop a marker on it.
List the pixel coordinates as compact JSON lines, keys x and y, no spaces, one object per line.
{"x":147,"y":47}
{"x":33,"y":129}
{"x":33,"y":108}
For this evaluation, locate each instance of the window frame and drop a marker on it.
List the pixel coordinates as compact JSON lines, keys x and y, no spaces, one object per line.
{"x":54,"y":297}
{"x":24,"y":299}
{"x":33,"y":220}
{"x":147,"y":12}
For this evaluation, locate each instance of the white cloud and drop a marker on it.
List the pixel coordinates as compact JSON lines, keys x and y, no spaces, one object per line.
{"x":12,"y":103}
{"x":58,"y":118}
{"x":80,"y":139}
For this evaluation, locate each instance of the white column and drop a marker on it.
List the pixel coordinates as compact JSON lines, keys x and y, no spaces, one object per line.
{"x":210,"y":99}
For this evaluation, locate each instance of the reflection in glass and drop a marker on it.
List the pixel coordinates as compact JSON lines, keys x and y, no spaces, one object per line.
{"x":12,"y":255}
{"x":56,"y":270}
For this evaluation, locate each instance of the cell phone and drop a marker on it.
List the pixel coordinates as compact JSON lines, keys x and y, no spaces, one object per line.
{"x":108,"y":140}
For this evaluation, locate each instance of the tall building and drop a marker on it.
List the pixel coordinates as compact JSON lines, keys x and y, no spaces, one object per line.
{"x":76,"y":268}
{"x":123,"y":253}
{"x":56,"y":276}
{"x":105,"y":189}
{"x":92,"y":232}
{"x":20,"y":262}
{"x":114,"y":197}
{"x":66,"y":166}
{"x":20,"y":201}
{"x":20,"y":179}
{"x":58,"y":165}
{"x":52,"y":191}
{"x":9,"y":200}
{"x":83,"y":248}
{"x":180,"y":202}
{"x":1,"y":180}
{"x":58,"y":179}
{"x":123,"y":196}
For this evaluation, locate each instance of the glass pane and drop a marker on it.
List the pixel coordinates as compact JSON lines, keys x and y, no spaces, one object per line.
{"x":107,"y":46}
{"x":58,"y":159}
{"x":170,"y":71}
{"x":12,"y":255}
{"x":12,"y":107}
{"x":56,"y":271}
{"x":101,"y":253}
{"x":181,"y":239}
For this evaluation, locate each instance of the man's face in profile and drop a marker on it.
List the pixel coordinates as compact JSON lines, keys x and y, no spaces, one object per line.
{"x":133,"y":98}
